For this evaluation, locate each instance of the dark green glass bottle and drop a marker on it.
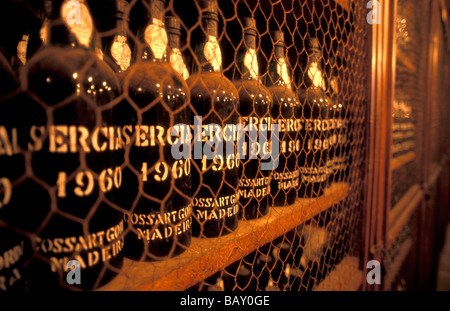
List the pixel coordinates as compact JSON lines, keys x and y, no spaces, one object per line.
{"x":12,"y":244}
{"x":159,"y":211}
{"x":215,"y":178}
{"x":64,"y":132}
{"x":176,"y":58}
{"x":285,"y":112}
{"x":254,"y":105}
{"x":315,"y":126}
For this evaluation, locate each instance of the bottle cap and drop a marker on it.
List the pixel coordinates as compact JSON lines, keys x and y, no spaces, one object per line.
{"x":249,"y":26}
{"x":209,"y":9}
{"x":173,"y":25}
{"x":277,"y":38}
{"x":314,"y":45}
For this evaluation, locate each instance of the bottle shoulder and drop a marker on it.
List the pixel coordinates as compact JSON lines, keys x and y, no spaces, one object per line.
{"x":55,"y":73}
{"x":150,"y":74}
{"x":252,"y":89}
{"x":149,"y":81}
{"x":210,"y":83}
{"x":8,"y":79}
{"x":314,"y":95}
{"x":282,"y":94}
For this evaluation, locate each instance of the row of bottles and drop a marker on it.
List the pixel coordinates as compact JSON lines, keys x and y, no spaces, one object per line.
{"x":90,"y":120}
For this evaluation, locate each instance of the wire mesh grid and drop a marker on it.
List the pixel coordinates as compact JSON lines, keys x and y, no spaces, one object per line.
{"x":89,"y":174}
{"x":408,"y":110}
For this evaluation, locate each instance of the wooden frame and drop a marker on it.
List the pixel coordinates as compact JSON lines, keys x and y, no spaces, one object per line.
{"x":381,"y":86}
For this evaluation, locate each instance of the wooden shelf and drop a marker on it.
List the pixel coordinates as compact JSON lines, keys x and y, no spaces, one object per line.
{"x":345,"y":277}
{"x":394,"y":269}
{"x":398,"y":162}
{"x":207,"y":256}
{"x":402,"y":211}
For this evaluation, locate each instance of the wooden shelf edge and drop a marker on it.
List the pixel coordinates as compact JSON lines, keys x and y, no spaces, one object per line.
{"x":436,"y":170}
{"x":397,"y":264}
{"x":345,"y":277}
{"x":398,"y":162}
{"x":207,"y":256}
{"x":402,"y":211}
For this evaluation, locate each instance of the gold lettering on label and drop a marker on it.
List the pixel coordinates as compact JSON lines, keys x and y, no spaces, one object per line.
{"x":121,"y":52}
{"x":156,"y":38}
{"x":212,"y":53}
{"x":76,"y":16}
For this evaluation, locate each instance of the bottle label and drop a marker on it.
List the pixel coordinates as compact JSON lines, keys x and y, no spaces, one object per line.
{"x":160,"y":226}
{"x":315,"y":75}
{"x":22,"y":49}
{"x":283,"y":72}
{"x":76,"y":16}
{"x":334,"y":85}
{"x":212,"y":53}
{"x":156,"y":38}
{"x":121,"y":52}
{"x":251,"y":63}
{"x":43,"y":32}
{"x":90,"y":250}
{"x":177,"y":62}
{"x":10,"y":269}
{"x":99,"y":53}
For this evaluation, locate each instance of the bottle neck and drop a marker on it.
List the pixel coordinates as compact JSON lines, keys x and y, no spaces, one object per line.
{"x":313,"y":71}
{"x":176,"y":58}
{"x":174,"y":40}
{"x":279,"y":71}
{"x":208,"y":51}
{"x":247,"y":60}
{"x":69,"y":24}
{"x":153,"y":34}
{"x":115,"y":46}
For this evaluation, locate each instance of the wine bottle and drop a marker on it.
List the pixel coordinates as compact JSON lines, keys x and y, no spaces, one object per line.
{"x":215,"y":178}
{"x":254,"y":104}
{"x":112,"y":19}
{"x":338,"y":126}
{"x":285,"y":113}
{"x":175,"y":57}
{"x":68,"y":150}
{"x":159,"y":214}
{"x":20,"y":37}
{"x":314,"y":155}
{"x":12,"y":244}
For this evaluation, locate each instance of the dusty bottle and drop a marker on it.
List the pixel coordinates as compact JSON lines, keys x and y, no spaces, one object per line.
{"x":215,"y":178}
{"x":285,"y":113}
{"x":159,"y":214}
{"x":315,"y":126}
{"x":176,"y":58}
{"x":254,"y":104}
{"x":64,"y":135}
{"x":12,"y":244}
